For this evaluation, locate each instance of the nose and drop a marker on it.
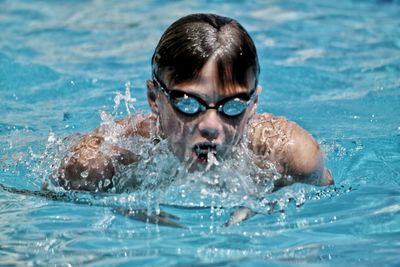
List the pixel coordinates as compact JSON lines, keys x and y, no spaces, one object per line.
{"x":210,"y":125}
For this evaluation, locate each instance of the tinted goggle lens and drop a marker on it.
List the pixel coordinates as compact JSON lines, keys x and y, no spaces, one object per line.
{"x":187,"y":105}
{"x":233,"y":107}
{"x":191,"y":106}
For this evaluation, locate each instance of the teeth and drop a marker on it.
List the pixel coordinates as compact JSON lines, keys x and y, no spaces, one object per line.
{"x":204,"y":148}
{"x":202,"y":151}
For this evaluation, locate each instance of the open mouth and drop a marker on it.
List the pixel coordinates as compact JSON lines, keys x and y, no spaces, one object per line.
{"x":202,"y":151}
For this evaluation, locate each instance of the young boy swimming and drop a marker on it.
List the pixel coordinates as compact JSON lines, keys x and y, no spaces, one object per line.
{"x":203,"y":97}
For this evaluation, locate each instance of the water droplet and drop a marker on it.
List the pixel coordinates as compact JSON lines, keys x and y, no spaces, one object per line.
{"x":107,"y":182}
{"x":85,"y":174}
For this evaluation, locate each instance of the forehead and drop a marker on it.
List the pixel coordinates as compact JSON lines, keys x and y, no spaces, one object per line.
{"x":209,"y":82}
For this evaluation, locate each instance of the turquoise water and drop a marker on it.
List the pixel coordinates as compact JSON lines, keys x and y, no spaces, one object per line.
{"x":333,"y":67}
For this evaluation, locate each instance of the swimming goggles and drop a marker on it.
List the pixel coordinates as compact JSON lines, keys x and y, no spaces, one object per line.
{"x":192,"y":105}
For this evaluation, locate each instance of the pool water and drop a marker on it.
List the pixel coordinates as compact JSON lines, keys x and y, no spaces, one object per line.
{"x":331,"y":66}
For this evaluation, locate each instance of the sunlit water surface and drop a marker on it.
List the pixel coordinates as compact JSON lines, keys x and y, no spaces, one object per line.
{"x":331,"y":66}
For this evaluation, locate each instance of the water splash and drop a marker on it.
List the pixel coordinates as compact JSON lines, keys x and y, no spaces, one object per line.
{"x":159,"y":178}
{"x":126,"y":97}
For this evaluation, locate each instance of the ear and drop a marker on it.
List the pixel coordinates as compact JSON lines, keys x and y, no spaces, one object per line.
{"x":152,"y":96}
{"x":259,"y":89}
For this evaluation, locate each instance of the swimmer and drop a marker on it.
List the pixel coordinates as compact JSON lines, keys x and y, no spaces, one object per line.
{"x":203,"y":96}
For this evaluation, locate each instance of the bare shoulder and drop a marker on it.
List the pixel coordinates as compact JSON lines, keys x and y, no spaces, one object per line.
{"x":138,"y":124}
{"x":268,"y":137}
{"x":294,"y":151}
{"x":90,"y":164}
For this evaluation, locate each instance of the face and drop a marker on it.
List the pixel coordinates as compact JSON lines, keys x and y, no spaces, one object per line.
{"x":194,"y":139}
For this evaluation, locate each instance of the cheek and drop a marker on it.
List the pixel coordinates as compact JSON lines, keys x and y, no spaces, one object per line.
{"x":175,"y":130}
{"x":234,"y":132}
{"x":231,"y":133}
{"x":170,"y":125}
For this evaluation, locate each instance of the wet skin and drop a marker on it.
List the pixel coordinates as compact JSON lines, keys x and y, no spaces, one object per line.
{"x":192,"y":138}
{"x":272,"y":139}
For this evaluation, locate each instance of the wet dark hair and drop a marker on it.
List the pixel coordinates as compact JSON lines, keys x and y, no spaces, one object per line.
{"x":187,"y":45}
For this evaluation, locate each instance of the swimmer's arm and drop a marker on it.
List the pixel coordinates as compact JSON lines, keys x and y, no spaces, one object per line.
{"x":292,"y":150}
{"x":89,"y":164}
{"x":303,"y":159}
